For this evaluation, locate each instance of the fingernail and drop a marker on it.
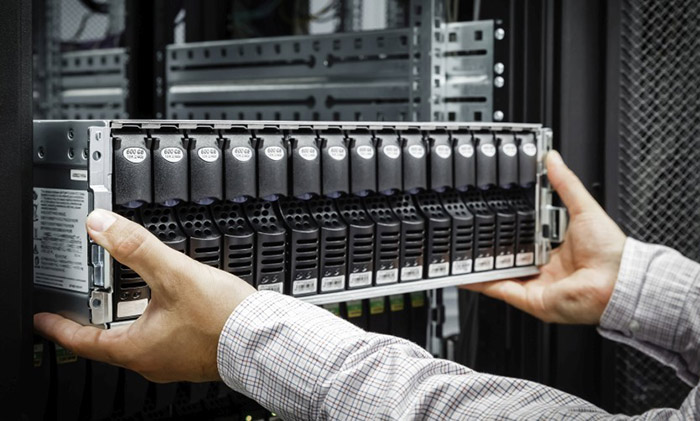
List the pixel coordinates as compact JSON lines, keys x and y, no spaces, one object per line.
{"x":100,"y":220}
{"x":554,"y":157}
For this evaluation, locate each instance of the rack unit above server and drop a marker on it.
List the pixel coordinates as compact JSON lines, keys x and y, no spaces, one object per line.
{"x":402,"y":74}
{"x":324,"y":211}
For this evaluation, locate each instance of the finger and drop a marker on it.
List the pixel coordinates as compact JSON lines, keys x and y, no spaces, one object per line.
{"x":132,"y":245}
{"x":85,"y":341}
{"x":569,"y":187}
{"x":511,"y":291}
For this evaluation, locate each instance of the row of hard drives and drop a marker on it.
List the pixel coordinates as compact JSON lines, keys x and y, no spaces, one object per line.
{"x":315,"y":209}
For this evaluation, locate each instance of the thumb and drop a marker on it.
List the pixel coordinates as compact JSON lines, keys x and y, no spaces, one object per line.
{"x":569,"y":187}
{"x":133,"y":246}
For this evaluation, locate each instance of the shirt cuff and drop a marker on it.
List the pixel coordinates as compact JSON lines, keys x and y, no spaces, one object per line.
{"x":646,"y":304}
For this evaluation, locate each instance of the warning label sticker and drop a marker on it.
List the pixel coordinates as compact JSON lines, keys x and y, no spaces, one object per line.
{"x":60,"y":238}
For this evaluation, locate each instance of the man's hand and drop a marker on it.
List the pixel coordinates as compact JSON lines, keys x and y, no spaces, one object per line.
{"x":176,"y":338}
{"x":576,"y":284}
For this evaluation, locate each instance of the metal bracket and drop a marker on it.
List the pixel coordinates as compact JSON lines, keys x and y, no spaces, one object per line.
{"x":100,"y":304}
{"x":558,"y":221}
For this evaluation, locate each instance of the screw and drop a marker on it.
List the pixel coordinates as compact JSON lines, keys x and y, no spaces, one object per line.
{"x":499,"y":68}
{"x":96,"y":302}
{"x":500,"y":33}
{"x":499,"y":82}
{"x":498,"y":116}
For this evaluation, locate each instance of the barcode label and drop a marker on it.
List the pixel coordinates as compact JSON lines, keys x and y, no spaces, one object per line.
{"x":461,"y":266}
{"x":524,"y":259}
{"x":483,"y":263}
{"x":360,"y":279}
{"x":505,"y":261}
{"x":332,"y":283}
{"x":412,"y":273}
{"x":438,"y":269}
{"x":277,"y":287}
{"x":307,"y":286}
{"x":387,"y":276}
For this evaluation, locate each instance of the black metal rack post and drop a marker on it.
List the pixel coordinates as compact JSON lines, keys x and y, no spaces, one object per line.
{"x":16,"y":211}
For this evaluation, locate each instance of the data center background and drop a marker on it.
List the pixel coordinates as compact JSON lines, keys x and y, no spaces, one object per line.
{"x":592,"y":70}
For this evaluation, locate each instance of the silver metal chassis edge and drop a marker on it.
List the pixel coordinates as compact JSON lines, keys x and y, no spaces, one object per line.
{"x":94,"y":136}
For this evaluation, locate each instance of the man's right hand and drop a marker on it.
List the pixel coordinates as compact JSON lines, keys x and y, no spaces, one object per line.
{"x":577,"y":283}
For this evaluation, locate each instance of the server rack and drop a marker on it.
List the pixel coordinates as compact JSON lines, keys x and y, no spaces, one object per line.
{"x":111,"y":166}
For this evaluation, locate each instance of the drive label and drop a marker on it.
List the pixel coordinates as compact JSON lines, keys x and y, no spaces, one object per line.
{"x":388,"y":276}
{"x":444,"y":151}
{"x":524,"y":259}
{"x":483,"y":263}
{"x":208,"y":154}
{"x":466,"y":151}
{"x":332,"y":283}
{"x":460,"y":267}
{"x":135,"y":155}
{"x":417,"y":151}
{"x":172,"y":154}
{"x":505,"y":261}
{"x":411,"y":273}
{"x":337,"y":152}
{"x":305,"y":286}
{"x":530,"y":149}
{"x":277,"y":287}
{"x":488,"y":150}
{"x":274,"y":152}
{"x":366,"y":152}
{"x":392,"y":151}
{"x":242,"y":153}
{"x":362,"y":279}
{"x":436,"y":270}
{"x":309,"y":153}
{"x":510,"y":149}
{"x":60,"y":238}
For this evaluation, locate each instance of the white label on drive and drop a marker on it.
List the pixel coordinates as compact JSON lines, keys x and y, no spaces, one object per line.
{"x":309,"y":153}
{"x":444,"y":151}
{"x":78,"y":175}
{"x":505,"y":261}
{"x":60,"y":250}
{"x":438,"y":269}
{"x":242,"y":153}
{"x":412,"y":273}
{"x":488,"y":150}
{"x":392,"y":151}
{"x":483,"y":263}
{"x":388,"y":276}
{"x":466,"y":151}
{"x":135,"y":155}
{"x":337,"y":152}
{"x":362,"y":279}
{"x":131,"y":308}
{"x":416,"y":151}
{"x":530,"y":149}
{"x":332,"y":283}
{"x":208,"y":154}
{"x":172,"y":154}
{"x":461,"y":266}
{"x":510,"y":149}
{"x":277,"y":287}
{"x":306,"y":286}
{"x":274,"y":152}
{"x":524,"y":259}
{"x":366,"y":152}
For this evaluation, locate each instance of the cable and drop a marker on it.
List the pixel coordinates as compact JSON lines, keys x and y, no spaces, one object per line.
{"x":477,"y":9}
{"x":81,"y":26}
{"x":96,"y":7}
